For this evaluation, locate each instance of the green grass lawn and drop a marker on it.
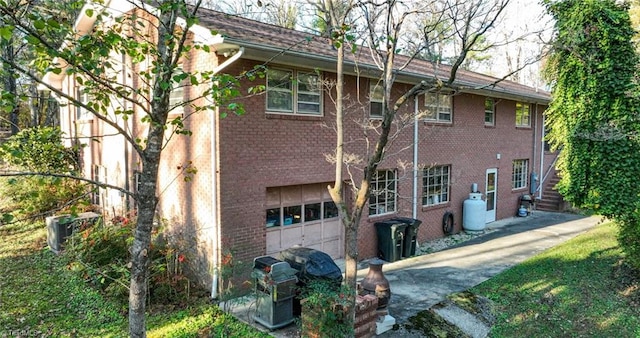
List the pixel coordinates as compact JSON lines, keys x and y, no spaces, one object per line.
{"x":578,"y":289}
{"x":40,"y":297}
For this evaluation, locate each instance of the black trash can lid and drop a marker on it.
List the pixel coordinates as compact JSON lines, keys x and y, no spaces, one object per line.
{"x":409,"y":221}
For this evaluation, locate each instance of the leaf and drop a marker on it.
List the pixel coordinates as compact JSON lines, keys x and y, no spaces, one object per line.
{"x":39,"y":24}
{"x":53,"y":23}
{"x":7,"y":218}
{"x":6,"y":32}
{"x":89,"y":12}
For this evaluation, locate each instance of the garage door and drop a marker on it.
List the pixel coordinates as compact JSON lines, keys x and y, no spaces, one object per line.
{"x":303,"y":215}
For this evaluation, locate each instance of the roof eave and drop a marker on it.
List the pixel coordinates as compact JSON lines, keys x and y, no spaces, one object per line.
{"x":263,"y":53}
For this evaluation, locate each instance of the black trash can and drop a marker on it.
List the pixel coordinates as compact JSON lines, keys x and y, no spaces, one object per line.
{"x":410,"y":236}
{"x":312,"y":265}
{"x":390,"y":239}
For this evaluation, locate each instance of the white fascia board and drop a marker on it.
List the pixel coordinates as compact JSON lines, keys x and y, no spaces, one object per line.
{"x":116,"y":8}
{"x":83,"y":25}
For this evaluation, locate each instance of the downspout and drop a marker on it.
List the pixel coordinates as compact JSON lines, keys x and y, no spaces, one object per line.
{"x":542,"y":173}
{"x":535,"y":145}
{"x":127,"y":186}
{"x":215,"y":164}
{"x":414,"y":213}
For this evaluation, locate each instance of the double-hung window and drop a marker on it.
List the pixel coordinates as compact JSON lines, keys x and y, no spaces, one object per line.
{"x":382,"y":198}
{"x":376,"y":99}
{"x":81,"y":112}
{"x":176,"y":99}
{"x":489,"y":112}
{"x":519,"y":174}
{"x":523,"y":114}
{"x":293,"y":92}
{"x":435,"y":185}
{"x":438,"y":107}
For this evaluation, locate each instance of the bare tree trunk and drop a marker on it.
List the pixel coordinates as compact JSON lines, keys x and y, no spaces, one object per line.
{"x":10,"y":84}
{"x":147,"y":202}
{"x":51,"y":110}
{"x":147,"y":198}
{"x":35,"y":105}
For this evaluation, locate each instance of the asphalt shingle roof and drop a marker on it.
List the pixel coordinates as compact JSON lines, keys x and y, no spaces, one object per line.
{"x":258,"y":35}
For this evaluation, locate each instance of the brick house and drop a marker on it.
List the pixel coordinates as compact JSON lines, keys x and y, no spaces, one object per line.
{"x":261,"y":182}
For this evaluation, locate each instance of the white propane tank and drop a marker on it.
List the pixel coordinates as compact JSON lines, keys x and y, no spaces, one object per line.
{"x":473,"y":212}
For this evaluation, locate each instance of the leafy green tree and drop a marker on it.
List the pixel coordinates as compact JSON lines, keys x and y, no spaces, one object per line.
{"x":21,"y":103}
{"x":593,"y":117}
{"x":159,"y":38}
{"x":39,"y":150}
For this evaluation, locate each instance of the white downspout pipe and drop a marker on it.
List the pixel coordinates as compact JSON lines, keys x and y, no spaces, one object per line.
{"x":542,"y":173}
{"x":215,"y":164}
{"x":414,"y":212}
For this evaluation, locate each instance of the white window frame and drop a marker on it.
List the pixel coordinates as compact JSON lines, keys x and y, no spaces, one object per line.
{"x":176,"y":99}
{"x":99,"y":174}
{"x":376,"y":99}
{"x":383,"y":193}
{"x":520,"y":174}
{"x":489,"y":112}
{"x":307,"y":211}
{"x":176,"y":96}
{"x":298,"y":93}
{"x":439,"y":107}
{"x":436,"y":183}
{"x":84,"y":98}
{"x":523,"y":114}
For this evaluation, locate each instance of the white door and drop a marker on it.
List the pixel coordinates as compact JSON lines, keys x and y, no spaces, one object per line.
{"x":491,"y":189}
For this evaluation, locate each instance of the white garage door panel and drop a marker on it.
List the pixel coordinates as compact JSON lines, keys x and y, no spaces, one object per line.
{"x":332,"y":229}
{"x":291,"y":236}
{"x":312,"y":234}
{"x":273,"y":242}
{"x":333,"y":248}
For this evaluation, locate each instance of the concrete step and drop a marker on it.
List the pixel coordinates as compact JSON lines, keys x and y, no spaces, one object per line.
{"x":546,"y":205}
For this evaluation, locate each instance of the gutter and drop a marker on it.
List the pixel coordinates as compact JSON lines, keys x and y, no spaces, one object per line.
{"x":215,"y":164}
{"x":272,"y":54}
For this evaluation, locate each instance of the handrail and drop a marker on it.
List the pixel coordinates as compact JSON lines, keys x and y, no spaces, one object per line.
{"x":544,"y":178}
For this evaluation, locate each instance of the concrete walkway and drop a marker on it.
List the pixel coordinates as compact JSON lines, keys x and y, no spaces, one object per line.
{"x":419,"y":282}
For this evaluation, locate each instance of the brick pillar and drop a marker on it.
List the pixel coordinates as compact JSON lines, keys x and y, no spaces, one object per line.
{"x":366,"y":316}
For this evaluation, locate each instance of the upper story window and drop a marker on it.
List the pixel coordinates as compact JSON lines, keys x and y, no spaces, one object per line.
{"x":84,"y":98}
{"x":435,"y":185}
{"x":382,"y":198}
{"x":176,"y":99}
{"x":438,"y":107}
{"x":489,"y":112}
{"x":293,"y":92}
{"x":519,"y":174}
{"x":523,"y":114}
{"x":376,"y":99}
{"x":176,"y":96}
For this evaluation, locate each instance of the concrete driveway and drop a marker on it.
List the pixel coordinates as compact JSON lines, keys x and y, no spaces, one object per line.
{"x":419,"y":282}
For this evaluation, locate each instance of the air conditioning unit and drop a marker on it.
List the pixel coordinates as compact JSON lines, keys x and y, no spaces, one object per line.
{"x":62,"y":226}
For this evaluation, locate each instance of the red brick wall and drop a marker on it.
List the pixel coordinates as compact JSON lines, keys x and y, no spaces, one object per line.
{"x":260,"y":150}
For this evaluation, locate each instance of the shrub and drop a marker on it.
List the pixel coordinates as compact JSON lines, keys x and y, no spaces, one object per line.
{"x":39,"y":196}
{"x":100,"y":254}
{"x":629,"y":239}
{"x":39,"y":151}
{"x":325,"y":310}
